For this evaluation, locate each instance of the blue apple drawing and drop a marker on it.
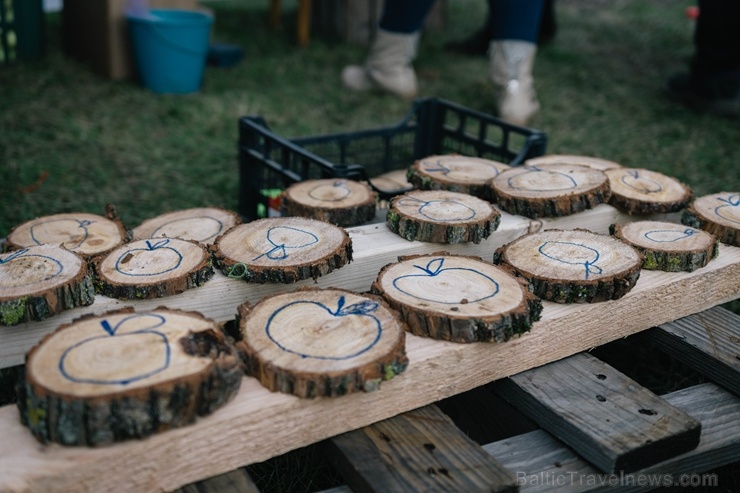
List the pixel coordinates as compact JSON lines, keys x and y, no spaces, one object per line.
{"x":635,"y":180}
{"x":730,"y":209}
{"x":574,"y":254}
{"x":73,"y":236}
{"x":21,"y":268}
{"x":283,"y":238}
{"x":669,"y":235}
{"x":536,"y":179}
{"x":333,"y":192}
{"x":441,"y":210}
{"x":208,"y":227}
{"x":141,"y":262}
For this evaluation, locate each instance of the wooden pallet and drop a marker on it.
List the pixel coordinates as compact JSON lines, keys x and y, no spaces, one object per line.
{"x":258,"y":425}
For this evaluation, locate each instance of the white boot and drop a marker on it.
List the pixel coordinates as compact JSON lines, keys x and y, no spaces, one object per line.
{"x":511,"y":72}
{"x":388,"y":65}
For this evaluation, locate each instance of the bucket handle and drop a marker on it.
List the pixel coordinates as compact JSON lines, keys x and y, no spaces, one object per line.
{"x":172,"y":44}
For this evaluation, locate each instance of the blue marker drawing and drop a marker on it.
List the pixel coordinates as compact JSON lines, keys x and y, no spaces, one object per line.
{"x":634,"y":180}
{"x":730,"y":209}
{"x":125,"y":266}
{"x":669,"y":235}
{"x":584,"y":255}
{"x":297,"y":238}
{"x":56,"y":265}
{"x":339,"y":191}
{"x":363,"y":309}
{"x":475,"y":280}
{"x":436,"y":167}
{"x":88,"y":346}
{"x":72,"y":240}
{"x":171,"y":226}
{"x":440,"y":210}
{"x":547,"y":181}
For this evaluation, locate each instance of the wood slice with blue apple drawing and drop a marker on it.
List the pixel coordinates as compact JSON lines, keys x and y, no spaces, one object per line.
{"x":335,"y":200}
{"x":201,"y":224}
{"x":717,"y":214}
{"x":41,"y":281}
{"x":667,"y":246}
{"x":314,"y":342}
{"x":440,"y":216}
{"x":124,"y":374}
{"x":282,"y":250}
{"x":597,"y":163}
{"x":643,"y":191}
{"x":573,"y":266}
{"x":553,"y":190}
{"x":457,"y":298}
{"x":455,"y":173}
{"x":154,"y":268}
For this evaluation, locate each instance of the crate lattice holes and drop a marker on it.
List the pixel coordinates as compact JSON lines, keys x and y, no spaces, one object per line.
{"x":21,"y":30}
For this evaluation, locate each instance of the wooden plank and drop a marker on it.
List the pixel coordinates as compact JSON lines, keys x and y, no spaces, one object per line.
{"x":421,"y":450}
{"x":257,"y":425}
{"x":602,"y":414}
{"x":542,"y":463}
{"x":709,"y":342}
{"x":237,"y":481}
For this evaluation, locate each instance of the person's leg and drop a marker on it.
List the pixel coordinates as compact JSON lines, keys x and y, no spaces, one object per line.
{"x":388,"y":64}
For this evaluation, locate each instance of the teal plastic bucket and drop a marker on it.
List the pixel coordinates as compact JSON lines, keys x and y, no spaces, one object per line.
{"x":170,"y":48}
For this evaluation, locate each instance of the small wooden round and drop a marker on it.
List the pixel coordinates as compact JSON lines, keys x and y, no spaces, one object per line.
{"x":668,"y":246}
{"x":41,"y":281}
{"x":202,"y":224}
{"x":718,"y":214}
{"x":549,"y":191}
{"x":282,"y":249}
{"x":456,"y":173}
{"x":125,"y":374}
{"x":592,"y":162}
{"x":642,"y":191}
{"x":457,"y":298}
{"x":573,"y":266}
{"x":145,"y":269}
{"x":85,"y":234}
{"x":392,"y":182}
{"x":336,"y":201}
{"x":439,"y":216}
{"x":315,"y":342}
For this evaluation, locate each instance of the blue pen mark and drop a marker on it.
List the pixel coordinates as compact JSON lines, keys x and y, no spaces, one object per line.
{"x":730,"y":209}
{"x":580,"y":255}
{"x":363,"y":309}
{"x":172,"y":229}
{"x":338,"y":188}
{"x":88,"y":346}
{"x":297,"y":238}
{"x":439,"y":210}
{"x":436,"y":167}
{"x":438,"y":277}
{"x":132,"y":262}
{"x":669,"y":235}
{"x":546,"y":180}
{"x":69,"y":239}
{"x":634,"y":180}
{"x":56,"y":268}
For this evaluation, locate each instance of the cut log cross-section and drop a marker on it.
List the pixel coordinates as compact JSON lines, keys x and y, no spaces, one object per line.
{"x":549,"y":191}
{"x":592,"y":162}
{"x":455,"y":173}
{"x":282,"y":249}
{"x":457,"y":298}
{"x":41,"y":281}
{"x":574,"y":266}
{"x":123,"y":374}
{"x":439,"y":216}
{"x":336,"y":201}
{"x":202,"y":224}
{"x":145,"y":269}
{"x":668,"y":246}
{"x":718,"y":214}
{"x":315,"y":342}
{"x":642,"y":191}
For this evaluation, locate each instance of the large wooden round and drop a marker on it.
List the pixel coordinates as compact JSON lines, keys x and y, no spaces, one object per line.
{"x":642,"y":191}
{"x":668,"y":246}
{"x":457,"y":298}
{"x":321,"y":342}
{"x":439,"y":216}
{"x":574,"y":266}
{"x":85,"y":234}
{"x":552,"y":190}
{"x":718,"y":214}
{"x":123,"y":374}
{"x":41,"y":281}
{"x":282,"y":249}
{"x":334,"y":200}
{"x":455,"y":173}
{"x":592,"y":162}
{"x":153,"y":268}
{"x":202,"y":224}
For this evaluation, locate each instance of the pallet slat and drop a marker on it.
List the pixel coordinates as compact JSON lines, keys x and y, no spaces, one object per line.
{"x":237,"y":481}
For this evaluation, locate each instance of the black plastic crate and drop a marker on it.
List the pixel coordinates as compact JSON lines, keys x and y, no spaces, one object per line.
{"x":268,"y":163}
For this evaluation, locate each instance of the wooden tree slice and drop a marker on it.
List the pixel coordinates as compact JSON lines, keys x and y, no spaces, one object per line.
{"x":40,"y":281}
{"x":668,"y":246}
{"x":456,"y":173}
{"x":392,"y":182}
{"x":718,"y":214}
{"x":337,"y":201}
{"x":144,"y":269}
{"x":552,"y":190}
{"x":457,"y":298}
{"x":575,"y":266}
{"x":592,"y":162}
{"x":315,"y":342}
{"x":282,"y":249}
{"x":439,"y":216}
{"x":120,"y":375}
{"x":201,"y":224}
{"x":85,"y":234}
{"x":641,"y":191}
